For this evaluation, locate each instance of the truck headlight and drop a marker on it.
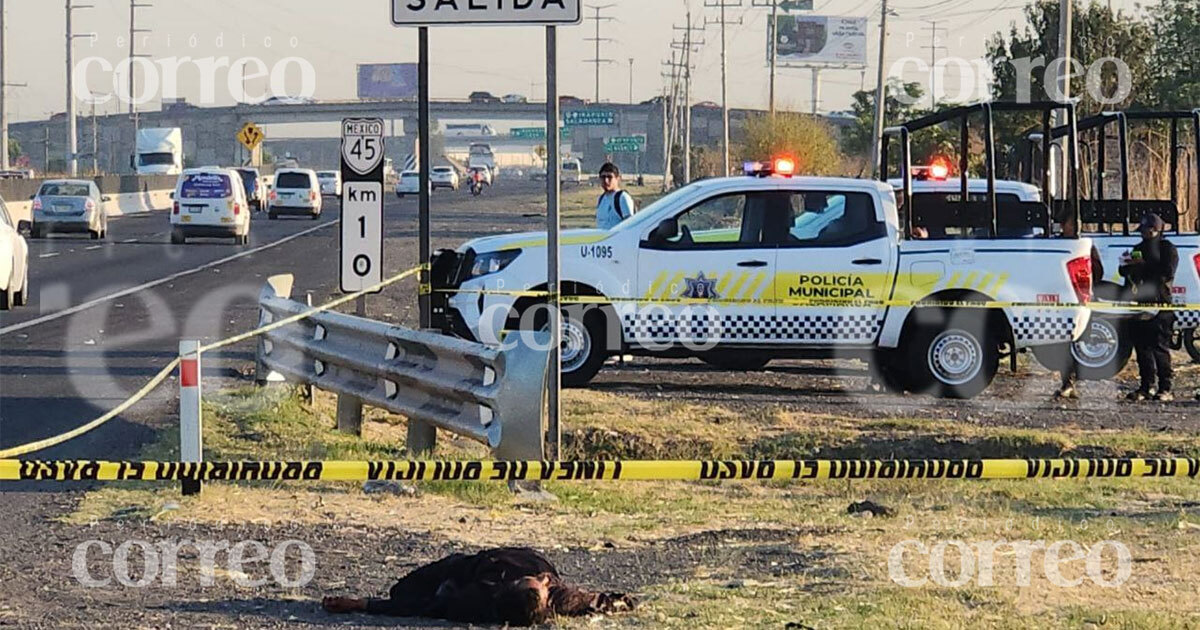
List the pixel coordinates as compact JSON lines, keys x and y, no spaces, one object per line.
{"x":492,"y":262}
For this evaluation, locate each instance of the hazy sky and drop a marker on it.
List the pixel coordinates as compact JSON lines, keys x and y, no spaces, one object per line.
{"x":334,"y":36}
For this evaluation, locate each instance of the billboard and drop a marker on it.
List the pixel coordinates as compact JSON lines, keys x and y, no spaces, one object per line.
{"x":387,"y":80}
{"x":820,"y":41}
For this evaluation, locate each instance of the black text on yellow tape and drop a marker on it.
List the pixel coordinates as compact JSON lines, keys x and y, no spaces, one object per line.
{"x":701,"y":470}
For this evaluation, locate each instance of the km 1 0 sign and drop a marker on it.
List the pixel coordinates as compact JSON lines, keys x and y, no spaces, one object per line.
{"x":460,"y":12}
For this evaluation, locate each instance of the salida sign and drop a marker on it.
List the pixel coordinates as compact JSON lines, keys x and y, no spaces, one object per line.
{"x":458,"y":12}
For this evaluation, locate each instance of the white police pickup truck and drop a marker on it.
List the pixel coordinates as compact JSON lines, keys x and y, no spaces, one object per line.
{"x":741,"y":270}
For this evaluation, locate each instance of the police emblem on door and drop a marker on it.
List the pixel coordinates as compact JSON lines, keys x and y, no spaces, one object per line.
{"x":700,"y":288}
{"x":362,"y":144}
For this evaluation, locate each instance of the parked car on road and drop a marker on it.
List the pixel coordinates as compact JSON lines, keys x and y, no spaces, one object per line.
{"x":69,"y":205}
{"x":331,"y":182}
{"x":210,"y":201}
{"x":14,"y":263}
{"x":409,"y":183}
{"x":482,"y":98}
{"x":296,"y":191}
{"x":515,"y":98}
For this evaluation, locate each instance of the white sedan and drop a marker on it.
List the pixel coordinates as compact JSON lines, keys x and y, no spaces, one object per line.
{"x":331,"y":182}
{"x":408,"y":184}
{"x":14,"y":263}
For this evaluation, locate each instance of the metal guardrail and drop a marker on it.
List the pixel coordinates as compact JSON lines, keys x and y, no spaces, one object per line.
{"x":492,"y":396}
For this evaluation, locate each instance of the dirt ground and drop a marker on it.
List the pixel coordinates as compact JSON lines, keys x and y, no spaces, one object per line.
{"x":699,"y":555}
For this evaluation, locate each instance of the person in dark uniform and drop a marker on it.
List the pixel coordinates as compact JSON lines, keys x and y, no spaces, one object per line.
{"x":1149,"y":271}
{"x":512,"y":585}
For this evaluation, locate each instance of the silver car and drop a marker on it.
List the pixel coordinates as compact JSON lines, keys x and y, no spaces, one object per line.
{"x":69,"y":205}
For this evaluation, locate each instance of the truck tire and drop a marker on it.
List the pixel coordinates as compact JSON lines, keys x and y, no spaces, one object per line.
{"x":734,"y":361}
{"x":21,"y":298}
{"x":1191,"y":343}
{"x":584,"y":344}
{"x":5,"y":300}
{"x":1100,"y":354}
{"x":177,"y":237}
{"x":951,"y":354}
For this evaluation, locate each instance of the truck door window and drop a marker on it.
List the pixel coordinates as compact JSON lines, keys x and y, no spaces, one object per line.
{"x":738,"y":220}
{"x":824,"y":218}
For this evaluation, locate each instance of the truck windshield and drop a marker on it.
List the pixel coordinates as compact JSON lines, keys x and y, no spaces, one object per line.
{"x":156,"y":159}
{"x":205,"y":186}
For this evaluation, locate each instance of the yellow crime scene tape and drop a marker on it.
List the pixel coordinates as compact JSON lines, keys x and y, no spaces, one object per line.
{"x":597,"y":299}
{"x":170,"y":367}
{"x":614,"y":470}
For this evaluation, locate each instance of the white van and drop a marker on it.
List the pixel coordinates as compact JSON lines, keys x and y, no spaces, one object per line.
{"x":210,"y":201}
{"x":296,"y":191}
{"x":571,"y":171}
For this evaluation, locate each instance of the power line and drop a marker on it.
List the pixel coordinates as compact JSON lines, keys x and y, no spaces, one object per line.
{"x":933,"y":49}
{"x":723,"y":21}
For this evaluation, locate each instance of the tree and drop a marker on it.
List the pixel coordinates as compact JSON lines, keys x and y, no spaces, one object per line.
{"x":857,"y":138}
{"x":1175,"y":66}
{"x":808,"y":140}
{"x":14,"y":150}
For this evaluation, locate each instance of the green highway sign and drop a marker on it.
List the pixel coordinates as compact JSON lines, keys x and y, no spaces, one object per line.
{"x":531,"y":133}
{"x":590,"y":117}
{"x":625,"y":144}
{"x":536,"y":133}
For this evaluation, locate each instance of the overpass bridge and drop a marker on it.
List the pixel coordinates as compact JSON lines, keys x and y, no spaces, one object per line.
{"x":208,"y":132}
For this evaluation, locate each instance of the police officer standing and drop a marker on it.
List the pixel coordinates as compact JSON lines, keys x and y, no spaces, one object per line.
{"x":1149,"y":270}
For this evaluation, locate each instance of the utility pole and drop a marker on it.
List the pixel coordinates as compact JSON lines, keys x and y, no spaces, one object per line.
{"x":774,"y":47}
{"x":95,"y":143}
{"x":45,"y":149}
{"x":72,"y":139}
{"x":688,"y":46}
{"x":3,"y":101}
{"x":671,"y":105}
{"x":721,"y":5}
{"x":880,"y":90}
{"x":133,"y":33}
{"x":597,"y":39}
{"x":933,"y":48}
{"x":631,"y":80}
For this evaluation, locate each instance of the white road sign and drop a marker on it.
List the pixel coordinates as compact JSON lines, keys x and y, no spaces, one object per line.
{"x":362,"y":144}
{"x":459,"y":12}
{"x":362,"y":235}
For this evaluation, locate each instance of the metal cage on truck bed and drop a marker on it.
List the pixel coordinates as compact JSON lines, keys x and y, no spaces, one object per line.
{"x":943,"y":217}
{"x":1097,"y":209}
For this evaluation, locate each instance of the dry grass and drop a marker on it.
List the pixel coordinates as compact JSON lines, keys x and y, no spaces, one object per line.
{"x":846,"y":581}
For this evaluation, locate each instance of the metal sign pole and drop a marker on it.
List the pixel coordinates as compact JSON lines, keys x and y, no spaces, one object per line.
{"x":422,"y":436}
{"x":553,"y":188}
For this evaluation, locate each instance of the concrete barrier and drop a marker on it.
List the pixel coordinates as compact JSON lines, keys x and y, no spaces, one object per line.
{"x":129,"y":194}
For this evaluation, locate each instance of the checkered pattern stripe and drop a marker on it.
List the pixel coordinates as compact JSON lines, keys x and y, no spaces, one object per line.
{"x":1044,"y":327}
{"x":1187,"y":319}
{"x":749,"y":328}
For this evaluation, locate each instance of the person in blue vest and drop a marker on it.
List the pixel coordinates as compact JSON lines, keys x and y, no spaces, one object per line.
{"x":615,"y":205}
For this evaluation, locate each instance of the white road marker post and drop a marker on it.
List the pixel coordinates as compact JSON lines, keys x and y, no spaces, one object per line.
{"x":191,"y":443}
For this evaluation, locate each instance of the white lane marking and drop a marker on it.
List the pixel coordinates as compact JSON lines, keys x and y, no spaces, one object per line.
{"x":50,"y":255}
{"x":165,"y":279}
{"x":129,"y":240}
{"x":93,"y":247}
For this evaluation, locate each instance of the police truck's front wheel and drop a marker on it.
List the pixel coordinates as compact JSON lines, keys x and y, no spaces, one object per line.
{"x":1191,"y":343}
{"x":956,"y":359}
{"x":584,"y":344}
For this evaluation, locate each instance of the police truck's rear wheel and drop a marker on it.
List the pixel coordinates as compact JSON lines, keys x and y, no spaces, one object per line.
{"x":956,"y":359}
{"x":1100,"y":354}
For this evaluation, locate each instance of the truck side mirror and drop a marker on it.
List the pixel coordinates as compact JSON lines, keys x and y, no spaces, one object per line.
{"x":171,"y":195}
{"x":24,"y":227}
{"x":666,"y":230}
